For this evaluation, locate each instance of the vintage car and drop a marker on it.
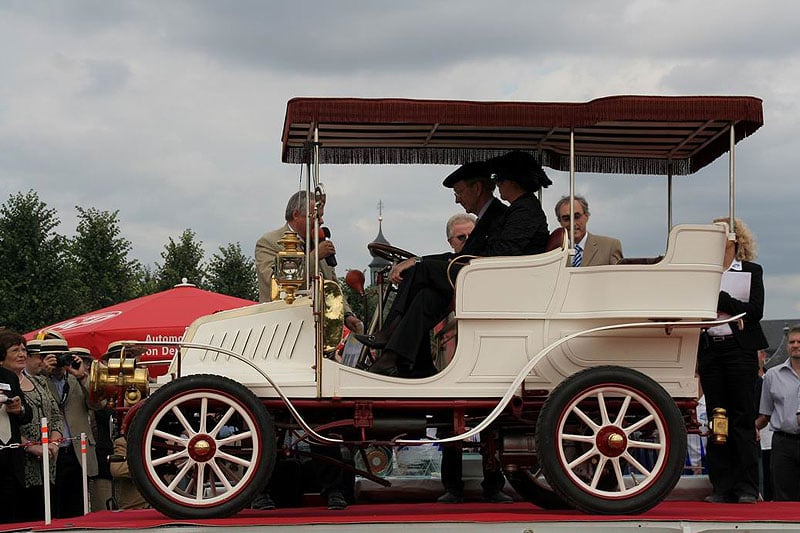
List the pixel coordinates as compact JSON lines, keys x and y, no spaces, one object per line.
{"x":585,"y":376}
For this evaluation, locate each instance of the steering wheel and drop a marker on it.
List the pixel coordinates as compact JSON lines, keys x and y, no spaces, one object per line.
{"x":388,"y":252}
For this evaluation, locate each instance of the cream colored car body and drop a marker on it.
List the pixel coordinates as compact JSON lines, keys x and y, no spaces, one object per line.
{"x":508,"y":310}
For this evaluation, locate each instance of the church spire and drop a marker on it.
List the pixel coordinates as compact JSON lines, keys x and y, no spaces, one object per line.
{"x":379,"y":263}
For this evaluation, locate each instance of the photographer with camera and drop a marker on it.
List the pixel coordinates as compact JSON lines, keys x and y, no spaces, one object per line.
{"x":67,"y":384}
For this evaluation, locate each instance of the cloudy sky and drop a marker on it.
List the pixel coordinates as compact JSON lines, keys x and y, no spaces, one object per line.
{"x":171,"y":111}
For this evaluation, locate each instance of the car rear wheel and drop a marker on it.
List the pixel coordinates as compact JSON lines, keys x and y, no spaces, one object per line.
{"x":611,"y":441}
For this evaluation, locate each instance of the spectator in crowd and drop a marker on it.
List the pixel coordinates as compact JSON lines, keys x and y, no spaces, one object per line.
{"x":67,"y":384}
{"x":100,"y":422}
{"x":458,"y":229}
{"x":697,"y":443}
{"x":780,"y":408}
{"x":728,"y":366}
{"x":764,"y":437}
{"x":125,"y":492}
{"x":14,"y":413}
{"x":43,"y":405}
{"x":590,"y":249}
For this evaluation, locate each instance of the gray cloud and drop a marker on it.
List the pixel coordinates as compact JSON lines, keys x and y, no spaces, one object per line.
{"x":171,"y":112}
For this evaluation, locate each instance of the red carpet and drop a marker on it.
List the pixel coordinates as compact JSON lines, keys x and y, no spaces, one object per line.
{"x":429,"y":512}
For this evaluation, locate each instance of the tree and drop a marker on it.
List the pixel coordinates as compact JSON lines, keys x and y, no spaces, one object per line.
{"x":231,"y":272}
{"x":357,"y":301}
{"x":183,"y":259}
{"x":36,"y":285}
{"x":146,"y":282}
{"x":100,"y":260}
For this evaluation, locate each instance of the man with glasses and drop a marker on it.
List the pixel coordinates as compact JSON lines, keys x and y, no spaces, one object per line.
{"x":590,"y":249}
{"x":458,"y":229}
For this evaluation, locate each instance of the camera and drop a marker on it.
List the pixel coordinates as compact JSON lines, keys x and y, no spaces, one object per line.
{"x":67,"y":359}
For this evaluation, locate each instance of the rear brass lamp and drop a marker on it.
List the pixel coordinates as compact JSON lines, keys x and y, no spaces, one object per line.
{"x":718,"y":424}
{"x":290,"y":266}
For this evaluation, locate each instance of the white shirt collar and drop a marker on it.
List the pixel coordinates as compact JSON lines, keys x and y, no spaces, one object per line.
{"x":485,"y":207}
{"x":736,"y":265}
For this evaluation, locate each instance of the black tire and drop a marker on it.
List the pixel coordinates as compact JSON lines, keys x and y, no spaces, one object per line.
{"x":586,"y":455}
{"x":532,"y":488}
{"x":188,"y":466}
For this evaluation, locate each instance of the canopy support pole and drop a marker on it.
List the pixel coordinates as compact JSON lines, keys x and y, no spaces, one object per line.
{"x":571,"y":193}
{"x":316,"y":293}
{"x":732,"y":179}
{"x":669,"y":197}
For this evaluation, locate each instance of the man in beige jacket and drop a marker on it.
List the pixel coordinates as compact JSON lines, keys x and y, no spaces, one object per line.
{"x":329,"y":476}
{"x":267,"y":249}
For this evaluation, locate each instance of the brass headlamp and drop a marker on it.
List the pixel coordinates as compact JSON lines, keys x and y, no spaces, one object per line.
{"x":718,"y":424}
{"x":290,"y":266}
{"x":117,"y":372}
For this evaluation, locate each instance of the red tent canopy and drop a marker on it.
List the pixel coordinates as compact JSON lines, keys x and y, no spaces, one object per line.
{"x":162,"y":316}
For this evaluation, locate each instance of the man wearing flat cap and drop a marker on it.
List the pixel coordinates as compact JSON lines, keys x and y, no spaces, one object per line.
{"x":425,"y":292}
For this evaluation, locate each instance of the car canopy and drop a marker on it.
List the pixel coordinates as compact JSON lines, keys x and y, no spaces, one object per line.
{"x":657,"y":135}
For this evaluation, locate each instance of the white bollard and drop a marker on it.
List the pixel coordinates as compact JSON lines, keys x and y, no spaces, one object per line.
{"x":48,"y":518}
{"x":85,"y":477}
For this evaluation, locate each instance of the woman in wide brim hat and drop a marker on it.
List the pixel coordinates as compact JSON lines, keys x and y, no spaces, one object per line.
{"x":521,"y":168}
{"x":517,"y":175}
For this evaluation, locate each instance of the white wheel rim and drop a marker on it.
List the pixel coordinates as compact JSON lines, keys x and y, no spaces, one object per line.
{"x":608,"y":441}
{"x":219,"y":477}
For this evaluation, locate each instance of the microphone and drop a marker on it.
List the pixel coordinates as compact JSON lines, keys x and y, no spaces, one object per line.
{"x":326,"y":233}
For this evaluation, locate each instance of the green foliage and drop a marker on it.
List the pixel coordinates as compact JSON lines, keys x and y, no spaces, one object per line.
{"x":231,"y":272}
{"x":183,"y":259}
{"x":36,"y":286}
{"x":145,"y":281}
{"x":100,"y":261}
{"x":47,"y":277}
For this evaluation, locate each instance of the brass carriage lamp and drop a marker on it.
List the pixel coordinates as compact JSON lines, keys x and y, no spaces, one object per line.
{"x":718,"y":424}
{"x":116,"y":371}
{"x":290,"y":265}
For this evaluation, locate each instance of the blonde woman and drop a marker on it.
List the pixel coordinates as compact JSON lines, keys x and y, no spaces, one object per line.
{"x":728,"y":366}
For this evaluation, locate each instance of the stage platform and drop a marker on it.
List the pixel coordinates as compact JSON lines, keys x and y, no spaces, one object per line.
{"x":470,"y":517}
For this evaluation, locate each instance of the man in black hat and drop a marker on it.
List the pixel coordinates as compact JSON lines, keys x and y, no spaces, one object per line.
{"x":425,"y":293}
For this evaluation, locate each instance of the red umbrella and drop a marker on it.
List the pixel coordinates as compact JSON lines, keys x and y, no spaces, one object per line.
{"x":163,"y":316}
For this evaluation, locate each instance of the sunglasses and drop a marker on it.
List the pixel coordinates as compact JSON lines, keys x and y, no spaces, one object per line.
{"x":463,"y":237}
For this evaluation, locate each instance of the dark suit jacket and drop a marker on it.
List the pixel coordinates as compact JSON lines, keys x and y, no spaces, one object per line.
{"x":17,"y":455}
{"x":752,"y":336}
{"x":487,"y":225}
